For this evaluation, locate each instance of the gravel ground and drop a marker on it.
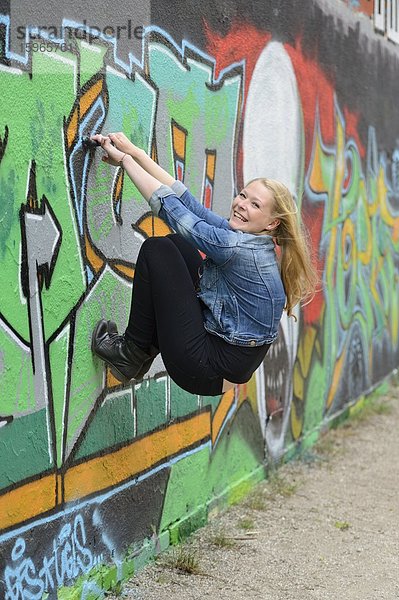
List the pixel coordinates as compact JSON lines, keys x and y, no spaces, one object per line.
{"x":325,"y":527}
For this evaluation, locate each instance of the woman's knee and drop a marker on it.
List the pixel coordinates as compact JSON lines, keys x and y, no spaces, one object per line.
{"x":155,"y":247}
{"x":190,"y":255}
{"x":155,"y":242}
{"x":159,"y":254}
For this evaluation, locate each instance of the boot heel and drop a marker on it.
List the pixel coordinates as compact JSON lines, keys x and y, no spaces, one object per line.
{"x":117,"y":374}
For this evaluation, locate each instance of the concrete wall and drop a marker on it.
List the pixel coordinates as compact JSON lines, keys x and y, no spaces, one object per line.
{"x":96,"y":477}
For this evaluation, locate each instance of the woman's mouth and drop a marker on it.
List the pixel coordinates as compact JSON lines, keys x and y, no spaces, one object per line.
{"x":238,"y":216}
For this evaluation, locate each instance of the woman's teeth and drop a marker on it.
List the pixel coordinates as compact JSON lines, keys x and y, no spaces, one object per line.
{"x":240,"y":217}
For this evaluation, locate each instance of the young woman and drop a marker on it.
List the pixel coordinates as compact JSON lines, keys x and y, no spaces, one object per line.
{"x":213,"y":320}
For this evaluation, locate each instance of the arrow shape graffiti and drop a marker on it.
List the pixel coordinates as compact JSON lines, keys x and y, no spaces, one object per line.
{"x":41,"y":240}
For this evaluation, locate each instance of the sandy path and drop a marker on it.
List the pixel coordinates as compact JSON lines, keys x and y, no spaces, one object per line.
{"x":326,"y":528}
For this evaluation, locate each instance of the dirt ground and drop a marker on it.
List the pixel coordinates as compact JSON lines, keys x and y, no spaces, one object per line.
{"x":323,"y":527}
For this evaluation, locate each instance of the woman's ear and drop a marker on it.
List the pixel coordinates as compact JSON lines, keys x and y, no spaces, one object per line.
{"x":273,"y":224}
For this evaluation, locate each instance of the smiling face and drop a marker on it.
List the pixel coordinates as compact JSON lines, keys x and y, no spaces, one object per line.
{"x":252,"y":209}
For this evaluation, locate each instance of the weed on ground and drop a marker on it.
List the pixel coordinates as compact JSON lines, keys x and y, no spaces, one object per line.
{"x":183,"y":558}
{"x":221,"y":540}
{"x":246,"y":523}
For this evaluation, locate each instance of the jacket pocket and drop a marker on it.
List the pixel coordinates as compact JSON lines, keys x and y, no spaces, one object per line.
{"x":228,"y":315}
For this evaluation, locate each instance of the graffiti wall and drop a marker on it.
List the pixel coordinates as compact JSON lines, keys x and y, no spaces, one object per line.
{"x":97,"y":476}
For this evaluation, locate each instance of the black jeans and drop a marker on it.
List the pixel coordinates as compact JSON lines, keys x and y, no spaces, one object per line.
{"x":167,"y":314}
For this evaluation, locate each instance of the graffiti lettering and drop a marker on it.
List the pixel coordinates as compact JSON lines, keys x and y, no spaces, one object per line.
{"x":69,"y":558}
{"x":359,"y":242}
{"x":71,"y":229}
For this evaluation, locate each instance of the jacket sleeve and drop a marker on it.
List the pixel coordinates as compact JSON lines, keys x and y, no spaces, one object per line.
{"x":201,"y":227}
{"x":196,"y":207}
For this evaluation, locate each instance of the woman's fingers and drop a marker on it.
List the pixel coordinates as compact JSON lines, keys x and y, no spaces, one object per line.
{"x":100,"y":139}
{"x":112,"y":155}
{"x":116,"y":139}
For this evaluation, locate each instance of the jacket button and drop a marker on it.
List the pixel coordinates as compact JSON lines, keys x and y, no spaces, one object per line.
{"x":252,"y":343}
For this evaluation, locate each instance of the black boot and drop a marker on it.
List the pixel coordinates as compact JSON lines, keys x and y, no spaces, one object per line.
{"x":125,"y":359}
{"x":152,"y":353}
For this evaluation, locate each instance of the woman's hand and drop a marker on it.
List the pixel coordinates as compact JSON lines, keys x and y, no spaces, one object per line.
{"x":123,"y":144}
{"x":112,"y":155}
{"x":148,"y":177}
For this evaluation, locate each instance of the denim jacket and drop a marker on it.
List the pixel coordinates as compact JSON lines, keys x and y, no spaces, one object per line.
{"x":240,"y":283}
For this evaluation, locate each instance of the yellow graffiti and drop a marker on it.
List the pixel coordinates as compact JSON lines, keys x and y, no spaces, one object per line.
{"x":360,"y":237}
{"x":103,"y":472}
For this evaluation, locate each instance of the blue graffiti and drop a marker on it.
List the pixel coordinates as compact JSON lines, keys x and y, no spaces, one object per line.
{"x":69,"y":558}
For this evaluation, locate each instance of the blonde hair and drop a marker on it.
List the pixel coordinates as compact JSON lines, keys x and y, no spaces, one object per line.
{"x":298,"y":274}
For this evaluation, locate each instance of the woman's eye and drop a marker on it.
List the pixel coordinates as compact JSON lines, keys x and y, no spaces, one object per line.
{"x":242,"y":194}
{"x":255,"y":204}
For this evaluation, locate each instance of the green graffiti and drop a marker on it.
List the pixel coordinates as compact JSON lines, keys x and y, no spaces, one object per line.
{"x":51,"y":300}
{"x":188,"y":97}
{"x":206,"y":475}
{"x":36,"y":134}
{"x":359,"y":240}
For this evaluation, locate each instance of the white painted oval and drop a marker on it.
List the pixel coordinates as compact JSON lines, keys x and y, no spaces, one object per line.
{"x":273,"y":123}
